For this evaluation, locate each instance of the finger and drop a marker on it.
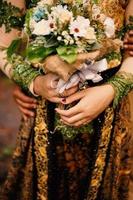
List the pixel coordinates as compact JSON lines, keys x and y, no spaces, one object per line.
{"x":125,"y":39}
{"x":26,"y":112}
{"x":70,"y":112}
{"x":82,"y":123}
{"x":131,"y":53}
{"x":73,"y":119}
{"x":19,"y":94}
{"x":74,"y":97}
{"x":129,"y":40}
{"x":78,"y":124}
{"x":25,"y":117}
{"x":130,"y":33}
{"x":128,"y":47}
{"x":55,"y":100}
{"x":26,"y":105}
{"x":70,"y":91}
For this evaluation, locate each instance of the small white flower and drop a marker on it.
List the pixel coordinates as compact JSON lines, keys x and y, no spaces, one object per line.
{"x":79,"y":27}
{"x":59,"y":38}
{"x":109,"y":27}
{"x":71,"y":41}
{"x":66,"y":42}
{"x":64,"y":33}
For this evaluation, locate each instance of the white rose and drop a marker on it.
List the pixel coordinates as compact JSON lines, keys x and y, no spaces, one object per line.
{"x":109,"y":27}
{"x":42,"y":28}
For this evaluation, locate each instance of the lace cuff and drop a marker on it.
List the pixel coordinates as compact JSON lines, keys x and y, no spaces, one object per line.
{"x":23,"y":73}
{"x":122,"y":83}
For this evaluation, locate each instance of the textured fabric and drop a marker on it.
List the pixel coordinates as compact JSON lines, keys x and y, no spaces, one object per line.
{"x":92,"y":166}
{"x":95,"y":166}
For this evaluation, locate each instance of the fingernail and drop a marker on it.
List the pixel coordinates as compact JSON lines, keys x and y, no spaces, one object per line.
{"x":125,"y":46}
{"x":131,"y":53}
{"x":34,"y":106}
{"x":64,"y":100}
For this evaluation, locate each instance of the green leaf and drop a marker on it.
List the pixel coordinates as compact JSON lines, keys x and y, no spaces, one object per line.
{"x":14,"y":46}
{"x":37,"y":54}
{"x":67,"y":53}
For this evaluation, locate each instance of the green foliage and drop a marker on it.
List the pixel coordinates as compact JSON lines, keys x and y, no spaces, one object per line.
{"x":10,"y":16}
{"x":67,"y":53}
{"x":37,"y":53}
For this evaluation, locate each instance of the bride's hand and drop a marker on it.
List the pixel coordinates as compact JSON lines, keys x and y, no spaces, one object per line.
{"x":92,"y":102}
{"x":45,"y":86}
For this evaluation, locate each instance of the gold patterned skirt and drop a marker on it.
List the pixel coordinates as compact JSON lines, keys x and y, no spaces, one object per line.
{"x":89,"y":167}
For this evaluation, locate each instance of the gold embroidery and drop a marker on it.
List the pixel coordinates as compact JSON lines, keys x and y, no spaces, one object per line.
{"x":41,"y":142}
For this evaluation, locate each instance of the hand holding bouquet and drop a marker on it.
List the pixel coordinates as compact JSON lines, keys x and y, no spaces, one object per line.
{"x":73,"y":40}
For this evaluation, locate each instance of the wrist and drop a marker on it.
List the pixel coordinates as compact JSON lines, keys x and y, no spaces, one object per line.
{"x":111,"y":90}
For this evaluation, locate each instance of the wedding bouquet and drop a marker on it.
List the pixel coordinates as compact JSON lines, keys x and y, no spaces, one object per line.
{"x":71,"y":39}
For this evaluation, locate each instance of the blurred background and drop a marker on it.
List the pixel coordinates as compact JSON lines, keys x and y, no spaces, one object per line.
{"x":9,"y":124}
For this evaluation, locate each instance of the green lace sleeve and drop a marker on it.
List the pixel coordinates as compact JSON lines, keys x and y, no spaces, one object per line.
{"x":23,"y":73}
{"x":122,"y":83}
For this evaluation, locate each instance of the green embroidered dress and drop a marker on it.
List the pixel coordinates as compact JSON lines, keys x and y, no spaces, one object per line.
{"x":90,"y":167}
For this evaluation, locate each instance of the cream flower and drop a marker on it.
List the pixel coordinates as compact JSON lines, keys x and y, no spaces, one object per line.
{"x":109,"y":27}
{"x":90,"y":35}
{"x":79,"y":27}
{"x":61,"y":14}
